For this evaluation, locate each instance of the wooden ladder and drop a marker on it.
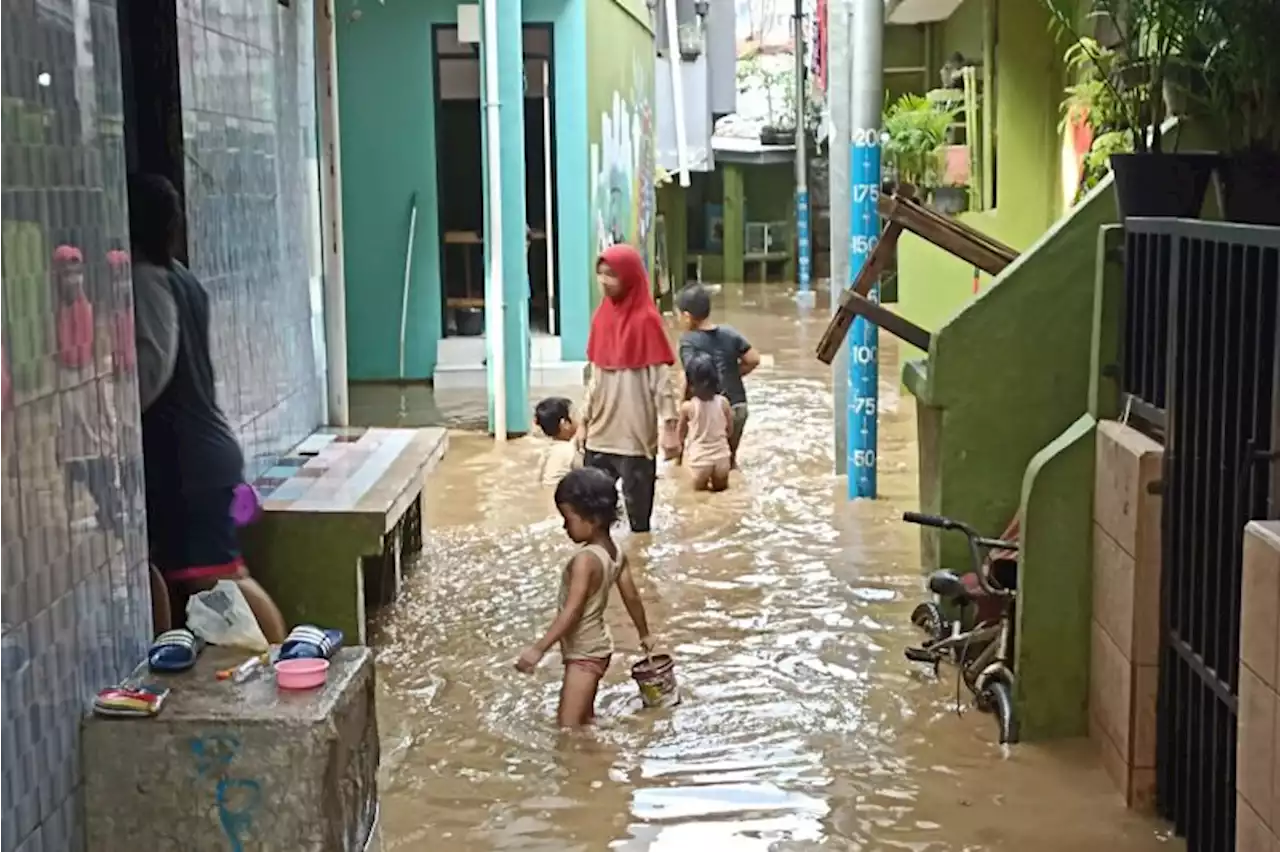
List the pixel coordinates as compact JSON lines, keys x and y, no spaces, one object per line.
{"x":904,"y":212}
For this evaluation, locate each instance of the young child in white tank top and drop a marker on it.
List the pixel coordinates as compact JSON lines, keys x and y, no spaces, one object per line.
{"x":588,"y":501}
{"x":704,"y":426}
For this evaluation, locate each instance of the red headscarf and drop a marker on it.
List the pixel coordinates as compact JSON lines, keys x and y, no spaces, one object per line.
{"x":75,"y":317}
{"x":124,"y":353}
{"x":628,"y":334}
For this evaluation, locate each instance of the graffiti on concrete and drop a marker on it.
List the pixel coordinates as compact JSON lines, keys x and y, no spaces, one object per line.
{"x":622,"y":166}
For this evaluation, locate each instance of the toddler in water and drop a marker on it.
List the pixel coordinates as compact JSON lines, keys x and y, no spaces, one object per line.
{"x":588,"y":500}
{"x":554,"y":416}
{"x":705,"y":422}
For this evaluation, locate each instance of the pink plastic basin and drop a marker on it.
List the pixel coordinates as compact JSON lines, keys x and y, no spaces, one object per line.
{"x":301,"y":674}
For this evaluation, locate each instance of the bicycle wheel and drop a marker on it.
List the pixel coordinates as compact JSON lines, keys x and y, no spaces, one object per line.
{"x":998,"y":696}
{"x":929,"y":618}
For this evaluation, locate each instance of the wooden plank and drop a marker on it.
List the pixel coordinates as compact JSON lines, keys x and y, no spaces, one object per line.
{"x":900,"y":327}
{"x":951,"y":236}
{"x":905,"y":213}
{"x":842,"y":320}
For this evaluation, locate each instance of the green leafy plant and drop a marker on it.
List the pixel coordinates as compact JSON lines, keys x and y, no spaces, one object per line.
{"x":1241,"y":70}
{"x":754,"y":73}
{"x":1151,"y":38}
{"x":914,"y":131}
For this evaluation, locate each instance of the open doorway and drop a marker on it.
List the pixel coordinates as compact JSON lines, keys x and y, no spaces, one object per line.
{"x":460,"y":178}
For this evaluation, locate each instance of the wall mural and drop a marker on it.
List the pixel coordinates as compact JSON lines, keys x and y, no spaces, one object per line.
{"x":622,"y":168}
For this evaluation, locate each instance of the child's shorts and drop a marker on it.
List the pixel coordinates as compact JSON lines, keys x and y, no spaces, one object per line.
{"x":596,"y":665}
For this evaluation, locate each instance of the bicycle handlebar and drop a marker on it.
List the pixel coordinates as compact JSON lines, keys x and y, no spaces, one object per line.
{"x":977,"y":545}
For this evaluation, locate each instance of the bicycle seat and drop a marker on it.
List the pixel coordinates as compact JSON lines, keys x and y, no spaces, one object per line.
{"x":948,"y":585}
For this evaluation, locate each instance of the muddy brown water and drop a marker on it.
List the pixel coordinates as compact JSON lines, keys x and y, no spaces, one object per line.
{"x":786,"y":608}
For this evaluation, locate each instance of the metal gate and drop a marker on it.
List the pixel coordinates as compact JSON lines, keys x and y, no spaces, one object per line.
{"x":1201,"y":365}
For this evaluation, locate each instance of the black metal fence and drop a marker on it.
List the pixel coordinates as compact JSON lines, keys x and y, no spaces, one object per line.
{"x":1199,"y":365}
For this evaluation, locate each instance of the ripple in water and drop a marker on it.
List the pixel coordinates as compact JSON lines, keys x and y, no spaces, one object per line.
{"x":786,"y":607}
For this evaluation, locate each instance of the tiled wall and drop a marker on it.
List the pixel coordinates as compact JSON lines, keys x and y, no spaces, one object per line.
{"x":248,"y":119}
{"x":1258,"y":717}
{"x":75,"y":603}
{"x":1125,"y":633}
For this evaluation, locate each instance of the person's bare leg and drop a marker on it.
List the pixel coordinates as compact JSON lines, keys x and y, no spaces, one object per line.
{"x":720,"y":476}
{"x":270,"y":619}
{"x":161,"y":611}
{"x":577,"y":696}
{"x":701,"y":478}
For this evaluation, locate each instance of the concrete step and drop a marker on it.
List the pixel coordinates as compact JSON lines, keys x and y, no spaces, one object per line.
{"x":551,"y":374}
{"x":465,"y":351}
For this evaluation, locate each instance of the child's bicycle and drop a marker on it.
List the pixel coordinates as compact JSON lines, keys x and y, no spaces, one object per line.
{"x":985,"y":599}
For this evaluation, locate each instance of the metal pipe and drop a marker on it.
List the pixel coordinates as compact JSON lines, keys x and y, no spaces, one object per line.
{"x":838,"y":66}
{"x":677,"y":91}
{"x":495,"y":307}
{"x":549,"y":202}
{"x":335,"y":290}
{"x":408,"y":277}
{"x":805,"y":295}
{"x":863,"y":402}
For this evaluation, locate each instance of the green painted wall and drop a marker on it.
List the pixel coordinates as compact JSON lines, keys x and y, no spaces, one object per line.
{"x":386,"y":79}
{"x":770,"y":192}
{"x":1008,"y":374}
{"x":386,"y":89}
{"x":933,"y":285}
{"x":1055,"y":587}
{"x":620,"y":125}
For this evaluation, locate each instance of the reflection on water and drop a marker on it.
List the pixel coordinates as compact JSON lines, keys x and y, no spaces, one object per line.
{"x":787,"y":608}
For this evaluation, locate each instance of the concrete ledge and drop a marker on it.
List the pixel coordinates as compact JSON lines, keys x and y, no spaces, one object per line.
{"x":238,"y":767}
{"x":341,"y":510}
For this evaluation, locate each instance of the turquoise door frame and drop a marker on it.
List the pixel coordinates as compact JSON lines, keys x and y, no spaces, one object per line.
{"x":389,"y":152}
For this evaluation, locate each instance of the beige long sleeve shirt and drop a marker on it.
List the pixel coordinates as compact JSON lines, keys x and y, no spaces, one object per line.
{"x":623,"y":408}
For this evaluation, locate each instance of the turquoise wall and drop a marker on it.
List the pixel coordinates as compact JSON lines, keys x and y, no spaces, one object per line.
{"x":386,"y":92}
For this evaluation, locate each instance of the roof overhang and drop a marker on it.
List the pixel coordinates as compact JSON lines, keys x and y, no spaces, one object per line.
{"x":902,"y":12}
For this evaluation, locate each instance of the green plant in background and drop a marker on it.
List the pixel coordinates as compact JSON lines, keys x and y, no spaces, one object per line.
{"x":914,"y":131}
{"x":753,"y":72}
{"x":1240,"y":50}
{"x":1095,"y":100}
{"x":1151,"y":37}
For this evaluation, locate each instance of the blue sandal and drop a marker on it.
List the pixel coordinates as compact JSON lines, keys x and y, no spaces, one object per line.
{"x":174,"y":651}
{"x":308,"y":642}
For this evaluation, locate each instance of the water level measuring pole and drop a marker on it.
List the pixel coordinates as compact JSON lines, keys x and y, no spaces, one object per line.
{"x":804,"y":294}
{"x":863,"y":399}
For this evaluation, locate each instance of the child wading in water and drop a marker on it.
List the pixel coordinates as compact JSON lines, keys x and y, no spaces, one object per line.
{"x":554,"y":416}
{"x":733,"y":354}
{"x":588,"y":500}
{"x":705,"y":423}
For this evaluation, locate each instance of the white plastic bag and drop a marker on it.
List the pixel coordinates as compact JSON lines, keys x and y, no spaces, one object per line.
{"x":221,"y":616}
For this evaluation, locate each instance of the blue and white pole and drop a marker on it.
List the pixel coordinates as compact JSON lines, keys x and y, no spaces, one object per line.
{"x":863,"y":399}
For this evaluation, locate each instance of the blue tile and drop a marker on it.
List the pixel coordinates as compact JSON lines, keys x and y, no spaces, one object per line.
{"x":76,"y":599}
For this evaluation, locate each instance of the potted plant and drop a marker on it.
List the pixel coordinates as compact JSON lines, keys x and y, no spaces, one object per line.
{"x":1151,"y":36}
{"x":755,"y":73}
{"x":914,"y":131}
{"x":1242,"y":91}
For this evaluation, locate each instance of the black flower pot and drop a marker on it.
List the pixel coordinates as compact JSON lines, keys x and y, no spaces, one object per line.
{"x":777,"y":136}
{"x":1162,"y":185}
{"x":1249,"y":187}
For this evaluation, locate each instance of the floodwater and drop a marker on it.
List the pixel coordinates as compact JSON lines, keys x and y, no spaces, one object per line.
{"x":786,"y":607}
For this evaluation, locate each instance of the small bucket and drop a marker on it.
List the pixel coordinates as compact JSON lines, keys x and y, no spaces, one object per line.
{"x":656,"y":677}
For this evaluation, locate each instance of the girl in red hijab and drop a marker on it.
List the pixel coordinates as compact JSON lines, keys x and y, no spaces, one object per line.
{"x":74,"y":311}
{"x":630,"y":391}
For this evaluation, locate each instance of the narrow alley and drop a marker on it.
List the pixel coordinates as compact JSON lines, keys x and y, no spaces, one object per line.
{"x":802,"y":726}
